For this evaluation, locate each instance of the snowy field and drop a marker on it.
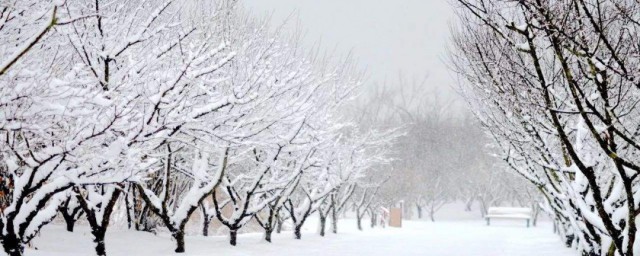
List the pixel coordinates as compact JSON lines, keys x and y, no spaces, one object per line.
{"x":447,"y":237}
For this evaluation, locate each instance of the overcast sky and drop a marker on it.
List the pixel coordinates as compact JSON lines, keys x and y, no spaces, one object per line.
{"x":386,"y":36}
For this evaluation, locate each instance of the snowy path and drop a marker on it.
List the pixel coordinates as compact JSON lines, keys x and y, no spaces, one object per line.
{"x":416,"y":238}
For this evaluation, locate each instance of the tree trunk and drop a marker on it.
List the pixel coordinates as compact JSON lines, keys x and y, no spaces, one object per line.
{"x":69,"y":221}
{"x":99,"y":225}
{"x":297,"y":234}
{"x":334,"y":221}
{"x":70,"y":218}
{"x":179,"y":236}
{"x":98,"y":234}
{"x":419,"y":211}
{"x":373,"y":220}
{"x":323,"y":224}
{"x":467,"y":206}
{"x":432,"y":214}
{"x":142,"y":224}
{"x":12,"y":246}
{"x":205,"y":225}
{"x":279,"y":226}
{"x":267,"y":234}
{"x":568,"y":240}
{"x":612,"y":249}
{"x":134,"y":208}
{"x":536,"y":213}
{"x":359,"y":219}
{"x":128,"y":208}
{"x":233,"y":236}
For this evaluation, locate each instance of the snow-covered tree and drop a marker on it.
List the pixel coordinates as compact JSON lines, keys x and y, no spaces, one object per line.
{"x":555,"y":85}
{"x":165,"y":107}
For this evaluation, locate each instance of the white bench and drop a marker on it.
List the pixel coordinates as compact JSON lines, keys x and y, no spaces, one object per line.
{"x":509,"y":213}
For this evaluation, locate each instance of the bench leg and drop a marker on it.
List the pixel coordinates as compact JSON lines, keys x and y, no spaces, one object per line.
{"x":528,"y":222}
{"x":488,"y":221}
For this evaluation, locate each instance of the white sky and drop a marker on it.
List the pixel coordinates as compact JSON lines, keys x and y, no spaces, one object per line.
{"x":387,"y":37}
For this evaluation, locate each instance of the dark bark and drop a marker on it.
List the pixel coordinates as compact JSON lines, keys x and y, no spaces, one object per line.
{"x":568,"y":240}
{"x":233,"y":236}
{"x":142,"y":224}
{"x":206,"y":220}
{"x":69,"y":221}
{"x":267,"y":234}
{"x":298,"y":221}
{"x":268,"y":225}
{"x":128,"y":208}
{"x":99,"y":229}
{"x":136,"y":212}
{"x":323,"y":224}
{"x":419,"y":208}
{"x":297,"y":234}
{"x":205,"y":226}
{"x":12,"y":246}
{"x":334,"y":220}
{"x":179,"y":237}
{"x":70,"y":218}
{"x":177,"y":229}
{"x":98,"y":238}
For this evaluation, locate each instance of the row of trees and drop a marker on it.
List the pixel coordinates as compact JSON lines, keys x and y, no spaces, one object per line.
{"x":164,"y":108}
{"x":555,"y":83}
{"x":443,"y":157}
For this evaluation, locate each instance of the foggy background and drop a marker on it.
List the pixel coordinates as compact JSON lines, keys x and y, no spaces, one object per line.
{"x":389,"y":39}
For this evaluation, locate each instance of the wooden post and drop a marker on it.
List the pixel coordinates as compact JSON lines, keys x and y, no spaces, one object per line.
{"x":395,"y":217}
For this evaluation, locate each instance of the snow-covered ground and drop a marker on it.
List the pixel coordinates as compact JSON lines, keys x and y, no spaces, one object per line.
{"x":446,"y":237}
